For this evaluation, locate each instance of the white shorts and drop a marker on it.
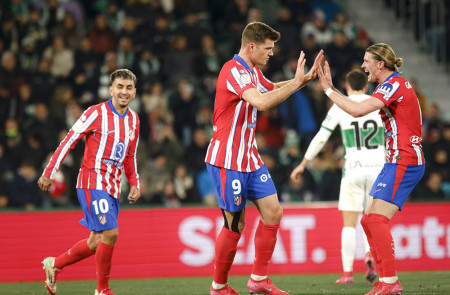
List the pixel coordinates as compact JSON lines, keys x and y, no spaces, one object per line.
{"x":355,"y":189}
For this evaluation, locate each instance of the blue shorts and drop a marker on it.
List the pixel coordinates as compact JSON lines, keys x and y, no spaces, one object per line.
{"x":100,"y":209}
{"x":395,"y":182}
{"x":234,"y":188}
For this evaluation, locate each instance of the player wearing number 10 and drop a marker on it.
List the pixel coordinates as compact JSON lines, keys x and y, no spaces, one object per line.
{"x":363,"y":140}
{"x":112,"y":131}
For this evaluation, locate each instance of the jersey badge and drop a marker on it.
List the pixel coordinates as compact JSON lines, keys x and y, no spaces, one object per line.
{"x":245,"y":79}
{"x":132,"y":134}
{"x":119,"y":151}
{"x":388,"y":89}
{"x":415,"y":139}
{"x":102,"y":219}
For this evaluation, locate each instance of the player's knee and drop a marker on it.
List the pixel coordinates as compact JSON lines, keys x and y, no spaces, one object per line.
{"x":273,"y":216}
{"x":110,"y":236}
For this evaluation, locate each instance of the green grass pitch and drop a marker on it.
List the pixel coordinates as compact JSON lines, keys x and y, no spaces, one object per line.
{"x":413,"y":283}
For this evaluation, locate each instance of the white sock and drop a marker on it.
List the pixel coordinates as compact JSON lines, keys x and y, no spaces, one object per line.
{"x":348,"y":248}
{"x":257,"y":278}
{"x":390,"y":280}
{"x":218,"y":286}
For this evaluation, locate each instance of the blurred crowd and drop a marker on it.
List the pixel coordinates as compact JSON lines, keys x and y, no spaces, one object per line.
{"x":56,"y":57}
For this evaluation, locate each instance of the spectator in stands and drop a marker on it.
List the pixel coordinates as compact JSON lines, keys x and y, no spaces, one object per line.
{"x":184,"y":185}
{"x":340,"y":55}
{"x":60,"y":58}
{"x":179,"y":62}
{"x":126,"y":56}
{"x":318,"y":27}
{"x":68,"y":29}
{"x":11,"y":77}
{"x":23,"y":189}
{"x":43,"y":126}
{"x":153,"y":176}
{"x":131,"y":31}
{"x":341,"y":23}
{"x":184,"y":103}
{"x":196,"y":151}
{"x":42,"y":82}
{"x":28,"y":56}
{"x":288,"y":28}
{"x":109,"y":65}
{"x":24,"y":103}
{"x":161,"y":37}
{"x":191,"y":28}
{"x":103,"y":38}
{"x":148,"y":66}
{"x":115,"y":16}
{"x":430,"y":189}
{"x":35,"y":30}
{"x":85,"y":75}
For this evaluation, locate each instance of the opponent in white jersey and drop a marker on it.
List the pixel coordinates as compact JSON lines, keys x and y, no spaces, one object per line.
{"x":363,"y":140}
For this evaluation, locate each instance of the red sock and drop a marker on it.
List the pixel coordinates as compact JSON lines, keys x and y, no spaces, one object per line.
{"x":265,"y":240}
{"x":78,"y":252}
{"x":373,"y":250}
{"x":226,"y":247}
{"x":103,"y":258}
{"x":382,"y":238}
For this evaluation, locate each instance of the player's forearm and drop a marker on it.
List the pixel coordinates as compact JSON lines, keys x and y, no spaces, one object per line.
{"x":277,"y":96}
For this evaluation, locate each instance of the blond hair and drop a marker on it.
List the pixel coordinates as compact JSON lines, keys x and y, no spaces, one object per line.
{"x":384,"y":52}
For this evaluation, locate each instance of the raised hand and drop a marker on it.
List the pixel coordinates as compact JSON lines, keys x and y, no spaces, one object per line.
{"x":312,"y":74}
{"x":300,"y":72}
{"x":325,"y":76}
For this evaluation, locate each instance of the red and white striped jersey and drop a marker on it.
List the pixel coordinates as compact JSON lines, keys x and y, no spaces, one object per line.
{"x":111,"y":143}
{"x":402,"y":119}
{"x":233,"y":144}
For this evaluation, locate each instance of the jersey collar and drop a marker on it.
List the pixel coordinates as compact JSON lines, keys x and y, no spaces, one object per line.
{"x":394,"y":74}
{"x":113,"y":109}
{"x":242,"y":61}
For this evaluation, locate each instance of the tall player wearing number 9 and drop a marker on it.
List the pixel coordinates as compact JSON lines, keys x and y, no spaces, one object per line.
{"x":233,"y":160}
{"x":112,"y":131}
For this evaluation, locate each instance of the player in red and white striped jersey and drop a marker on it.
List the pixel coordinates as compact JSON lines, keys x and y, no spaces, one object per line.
{"x":112,"y":132}
{"x":400,"y":111}
{"x":233,"y":160}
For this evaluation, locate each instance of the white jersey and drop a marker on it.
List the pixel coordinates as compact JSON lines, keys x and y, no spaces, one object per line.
{"x":362,"y":138}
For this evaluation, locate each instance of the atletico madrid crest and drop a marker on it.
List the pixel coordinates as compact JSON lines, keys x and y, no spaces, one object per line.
{"x":102,"y":219}
{"x":237,"y":200}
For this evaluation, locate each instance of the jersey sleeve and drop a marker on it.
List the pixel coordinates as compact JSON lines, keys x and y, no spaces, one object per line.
{"x":84,"y":125}
{"x":130,"y":164}
{"x":239,"y":80}
{"x":388,"y":92}
{"x":266,"y":83}
{"x":332,"y":119}
{"x":328,"y":125}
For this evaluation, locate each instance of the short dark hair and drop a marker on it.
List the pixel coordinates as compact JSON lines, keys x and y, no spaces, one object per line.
{"x":357,"y":79}
{"x":258,"y":32}
{"x":124,"y":74}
